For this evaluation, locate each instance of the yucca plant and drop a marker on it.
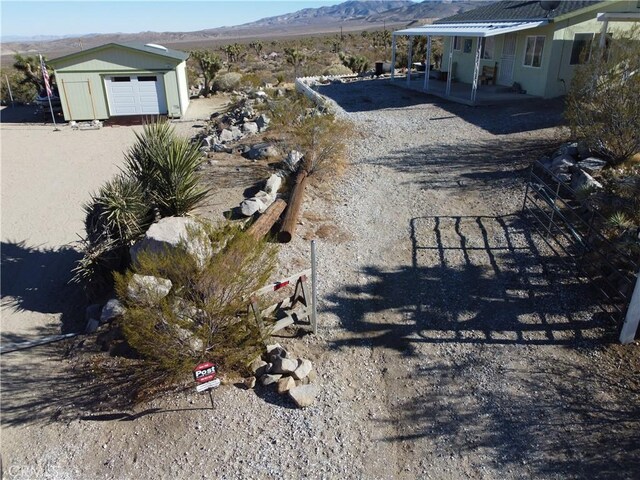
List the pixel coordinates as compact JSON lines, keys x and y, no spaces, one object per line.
{"x":117,"y":212}
{"x":176,"y":187}
{"x":141,"y":161}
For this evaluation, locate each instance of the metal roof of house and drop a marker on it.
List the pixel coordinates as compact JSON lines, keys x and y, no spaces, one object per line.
{"x":522,"y":10}
{"x":147,"y":48}
{"x":470,"y":29}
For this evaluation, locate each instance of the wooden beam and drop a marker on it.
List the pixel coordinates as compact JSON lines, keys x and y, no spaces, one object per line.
{"x":295,"y":202}
{"x":265,"y":222}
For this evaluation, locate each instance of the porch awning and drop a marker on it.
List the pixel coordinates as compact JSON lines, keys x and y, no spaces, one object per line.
{"x":469,"y":29}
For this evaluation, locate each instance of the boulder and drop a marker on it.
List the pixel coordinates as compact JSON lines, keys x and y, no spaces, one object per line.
{"x":285,"y":384}
{"x":219,"y":148}
{"x":251,"y":206}
{"x":258,"y":367}
{"x":250,"y":128}
{"x":226,"y":136}
{"x":92,"y":325}
{"x":269,"y":378}
{"x":562,"y":163}
{"x":147,"y":289}
{"x":262,"y":122}
{"x":312,"y":376}
{"x":284,"y":365}
{"x":583,"y":150}
{"x":592,"y":165}
{"x":570,"y":149}
{"x":304,"y":395}
{"x":172,"y":233}
{"x":274,"y":346}
{"x":236,"y":132}
{"x":582,"y":181}
{"x":92,"y":312}
{"x":187,"y":336}
{"x":112,"y":310}
{"x":273,"y":184}
{"x":262,"y":151}
{"x":304,"y":367}
{"x":266,"y":198}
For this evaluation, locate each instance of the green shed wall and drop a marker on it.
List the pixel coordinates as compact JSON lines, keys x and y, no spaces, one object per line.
{"x":82,"y":87}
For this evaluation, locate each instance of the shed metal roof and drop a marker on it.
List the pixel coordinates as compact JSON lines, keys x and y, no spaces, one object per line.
{"x":509,"y":10}
{"x":470,"y":29}
{"x":162,"y":51}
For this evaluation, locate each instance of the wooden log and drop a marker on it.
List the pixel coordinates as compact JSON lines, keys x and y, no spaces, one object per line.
{"x":291,"y":215}
{"x":265,"y":222}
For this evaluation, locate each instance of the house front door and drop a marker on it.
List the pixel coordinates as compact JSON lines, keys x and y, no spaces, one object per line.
{"x":507,"y":60}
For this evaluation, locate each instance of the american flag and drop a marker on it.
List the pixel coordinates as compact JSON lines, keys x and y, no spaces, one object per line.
{"x":45,"y":77}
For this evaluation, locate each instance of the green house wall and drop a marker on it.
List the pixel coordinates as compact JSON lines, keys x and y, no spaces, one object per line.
{"x":553,"y":77}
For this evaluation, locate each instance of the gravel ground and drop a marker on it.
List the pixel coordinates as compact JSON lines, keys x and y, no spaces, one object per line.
{"x":452,"y":344}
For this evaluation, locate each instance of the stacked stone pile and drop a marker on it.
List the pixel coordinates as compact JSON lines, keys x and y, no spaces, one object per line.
{"x":290,"y":376}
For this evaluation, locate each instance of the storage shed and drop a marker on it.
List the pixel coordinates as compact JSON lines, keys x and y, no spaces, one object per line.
{"x":117,"y":79}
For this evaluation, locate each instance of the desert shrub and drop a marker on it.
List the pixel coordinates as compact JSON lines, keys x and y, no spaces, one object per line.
{"x":603,"y":105}
{"x":227,"y":82}
{"x":337,"y":69}
{"x":355,"y":63}
{"x":204,"y":316}
{"x":208,"y":64}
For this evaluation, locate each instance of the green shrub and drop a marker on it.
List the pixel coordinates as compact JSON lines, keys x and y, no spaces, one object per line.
{"x":204,"y":317}
{"x":603,"y":104}
{"x":355,"y":63}
{"x":227,"y":82}
{"x":336,"y":69}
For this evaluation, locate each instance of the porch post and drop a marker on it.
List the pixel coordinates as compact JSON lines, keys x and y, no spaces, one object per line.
{"x":449,"y":75}
{"x":476,"y":72}
{"x":393,"y":55}
{"x":603,"y":33}
{"x":427,"y":64}
{"x":409,"y":58}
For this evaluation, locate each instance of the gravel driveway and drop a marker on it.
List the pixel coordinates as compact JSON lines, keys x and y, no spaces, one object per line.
{"x":451,"y":345}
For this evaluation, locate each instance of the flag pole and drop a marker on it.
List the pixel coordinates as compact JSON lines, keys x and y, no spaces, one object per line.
{"x":45,"y":78}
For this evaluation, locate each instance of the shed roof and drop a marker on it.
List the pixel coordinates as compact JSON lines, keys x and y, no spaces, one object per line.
{"x":522,"y":10}
{"x":147,"y":48}
{"x":470,"y":29}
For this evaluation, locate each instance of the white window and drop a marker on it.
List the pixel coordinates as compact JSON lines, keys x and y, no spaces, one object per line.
{"x":581,"y":49}
{"x":457,"y":43}
{"x":533,"y":51}
{"x":488,"y":48}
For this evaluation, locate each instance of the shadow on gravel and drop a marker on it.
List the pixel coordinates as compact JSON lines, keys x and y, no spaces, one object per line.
{"x":373,"y":95}
{"x":488,"y":290}
{"x":37,"y":279}
{"x":483,"y":163}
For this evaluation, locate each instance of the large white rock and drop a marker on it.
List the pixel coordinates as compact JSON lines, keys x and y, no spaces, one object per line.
{"x":304,"y":367}
{"x":250,"y":127}
{"x":172,"y":233}
{"x":147,"y":289}
{"x":284,"y":365}
{"x":273,"y":184}
{"x":252,"y":205}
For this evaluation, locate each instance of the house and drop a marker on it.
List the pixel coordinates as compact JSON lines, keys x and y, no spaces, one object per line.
{"x":122,"y":79}
{"x":535,"y":44}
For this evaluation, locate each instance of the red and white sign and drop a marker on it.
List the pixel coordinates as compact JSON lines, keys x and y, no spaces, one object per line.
{"x":204,"y":372}
{"x":201,"y":387}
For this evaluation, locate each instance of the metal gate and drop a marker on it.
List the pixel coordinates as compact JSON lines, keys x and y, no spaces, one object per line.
{"x":572,"y":230}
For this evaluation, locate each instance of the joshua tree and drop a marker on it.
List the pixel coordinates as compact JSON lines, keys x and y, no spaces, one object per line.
{"x":30,"y":69}
{"x":295,"y":58}
{"x":257,"y":47}
{"x":209,"y":65}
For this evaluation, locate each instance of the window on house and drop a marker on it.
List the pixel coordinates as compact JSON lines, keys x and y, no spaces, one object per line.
{"x":148,"y":79}
{"x":457,"y":42}
{"x":533,"y":51}
{"x":121,"y":79}
{"x":581,"y":50}
{"x":488,"y":48}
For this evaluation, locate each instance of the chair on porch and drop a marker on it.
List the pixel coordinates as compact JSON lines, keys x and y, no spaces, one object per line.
{"x":489,"y":75}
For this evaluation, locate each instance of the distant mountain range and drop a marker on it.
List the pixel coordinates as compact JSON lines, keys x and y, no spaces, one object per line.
{"x":352,"y":15}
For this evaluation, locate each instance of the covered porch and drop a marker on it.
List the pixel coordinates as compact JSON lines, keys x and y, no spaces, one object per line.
{"x":460,"y":92}
{"x":469,"y":94}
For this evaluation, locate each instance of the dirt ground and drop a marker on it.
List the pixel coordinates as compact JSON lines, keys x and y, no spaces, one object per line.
{"x":452,"y":343}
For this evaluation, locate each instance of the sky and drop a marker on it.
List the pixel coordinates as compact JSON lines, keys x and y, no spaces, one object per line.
{"x":30,"y":18}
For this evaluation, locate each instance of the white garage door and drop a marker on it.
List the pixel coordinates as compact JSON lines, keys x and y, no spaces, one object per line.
{"x":136,"y":95}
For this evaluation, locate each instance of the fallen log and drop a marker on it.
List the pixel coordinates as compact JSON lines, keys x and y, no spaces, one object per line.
{"x":265,"y":222}
{"x":291,"y":216}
